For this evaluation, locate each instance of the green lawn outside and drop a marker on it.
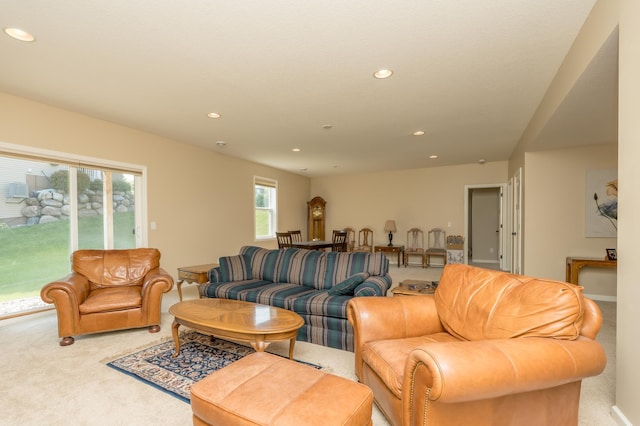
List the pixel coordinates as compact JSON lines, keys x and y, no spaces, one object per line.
{"x":31,"y":256}
{"x":262,"y":222}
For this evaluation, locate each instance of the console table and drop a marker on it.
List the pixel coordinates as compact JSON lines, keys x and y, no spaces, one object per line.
{"x":392,"y":249}
{"x":574,"y":264}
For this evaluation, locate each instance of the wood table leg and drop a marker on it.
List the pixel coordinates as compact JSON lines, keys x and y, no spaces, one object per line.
{"x":260,"y":345}
{"x":179,"y":285}
{"x":176,"y":339}
{"x":292,"y":343}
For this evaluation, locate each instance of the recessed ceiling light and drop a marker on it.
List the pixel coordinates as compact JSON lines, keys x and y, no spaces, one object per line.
{"x":221,"y":143}
{"x":213,"y":115}
{"x":19,"y":34}
{"x":304,"y":169}
{"x":433,"y":157}
{"x":327,"y":126}
{"x":482,"y":161}
{"x":418,"y":133}
{"x":383,"y":73}
{"x":296,"y":150}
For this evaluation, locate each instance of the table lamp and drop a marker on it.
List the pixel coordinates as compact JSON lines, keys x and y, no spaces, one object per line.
{"x":390,"y":227}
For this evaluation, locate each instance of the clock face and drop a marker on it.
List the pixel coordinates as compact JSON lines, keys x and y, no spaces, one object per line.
{"x":317,"y":212}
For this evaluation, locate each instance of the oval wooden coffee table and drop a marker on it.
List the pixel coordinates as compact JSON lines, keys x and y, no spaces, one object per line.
{"x":249,"y":322}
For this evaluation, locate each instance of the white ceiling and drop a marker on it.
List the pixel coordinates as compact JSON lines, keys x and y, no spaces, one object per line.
{"x":469,"y":73}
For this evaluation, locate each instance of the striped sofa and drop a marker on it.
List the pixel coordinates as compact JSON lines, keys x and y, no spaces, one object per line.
{"x":316,"y":285}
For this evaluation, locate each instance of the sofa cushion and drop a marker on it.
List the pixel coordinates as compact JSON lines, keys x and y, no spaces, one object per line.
{"x":304,"y":267}
{"x":280,"y":295}
{"x":230,"y":290}
{"x":264,"y":263}
{"x":347,"y":286}
{"x":499,"y":305}
{"x":322,"y":305}
{"x":342,"y":265}
{"x":235,"y":268}
{"x":377,"y":285}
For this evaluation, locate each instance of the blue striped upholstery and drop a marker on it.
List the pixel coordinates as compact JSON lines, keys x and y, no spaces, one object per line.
{"x":299,"y":280}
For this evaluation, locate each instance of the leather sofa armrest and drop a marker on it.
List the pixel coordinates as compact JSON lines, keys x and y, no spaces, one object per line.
{"x":466,"y":371}
{"x":378,"y":318}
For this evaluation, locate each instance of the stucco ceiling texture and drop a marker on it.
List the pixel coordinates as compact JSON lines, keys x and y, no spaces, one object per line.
{"x":299,"y":74}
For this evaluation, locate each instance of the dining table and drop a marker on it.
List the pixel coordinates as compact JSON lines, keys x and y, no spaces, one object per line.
{"x":313,"y":244}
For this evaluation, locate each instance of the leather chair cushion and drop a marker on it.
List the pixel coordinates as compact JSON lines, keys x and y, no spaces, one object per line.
{"x":484,"y":304}
{"x":112,"y":299}
{"x":388,"y":357}
{"x":111,"y":268}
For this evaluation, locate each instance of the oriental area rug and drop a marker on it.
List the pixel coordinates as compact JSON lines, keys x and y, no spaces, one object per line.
{"x":200,"y":355}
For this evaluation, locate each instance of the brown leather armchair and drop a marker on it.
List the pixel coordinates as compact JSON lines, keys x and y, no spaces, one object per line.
{"x":109,"y":290}
{"x":488,"y":348}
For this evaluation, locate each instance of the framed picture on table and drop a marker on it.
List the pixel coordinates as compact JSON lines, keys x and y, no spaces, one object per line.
{"x":611,"y":254}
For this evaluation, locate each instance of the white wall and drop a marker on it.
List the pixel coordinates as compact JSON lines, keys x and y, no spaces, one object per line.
{"x":202,"y":202}
{"x":554,"y":215}
{"x":424,"y":198}
{"x":628,"y":344}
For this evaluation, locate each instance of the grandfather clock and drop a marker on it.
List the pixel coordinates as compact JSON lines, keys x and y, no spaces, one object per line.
{"x":316,"y":218}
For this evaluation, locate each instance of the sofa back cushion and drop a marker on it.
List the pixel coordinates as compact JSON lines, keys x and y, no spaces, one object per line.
{"x":341,"y":265}
{"x":264,"y":262}
{"x":478,"y":304}
{"x":304,"y":267}
{"x":235,"y":268}
{"x":114,"y":268}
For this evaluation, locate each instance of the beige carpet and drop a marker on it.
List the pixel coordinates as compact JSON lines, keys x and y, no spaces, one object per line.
{"x":43,"y":383}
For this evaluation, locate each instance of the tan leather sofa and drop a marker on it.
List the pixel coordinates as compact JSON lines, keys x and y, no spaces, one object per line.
{"x":488,"y":348}
{"x":109,"y":290}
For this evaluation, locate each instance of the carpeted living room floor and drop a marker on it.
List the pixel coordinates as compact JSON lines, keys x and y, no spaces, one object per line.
{"x":43,"y":383}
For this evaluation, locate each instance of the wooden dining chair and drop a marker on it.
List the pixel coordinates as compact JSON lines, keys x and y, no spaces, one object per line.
{"x":284,"y":239}
{"x":365,"y":240}
{"x":415,"y":246}
{"x":351,"y":238}
{"x":339,"y":241}
{"x":436,"y":246}
{"x":296,"y":236}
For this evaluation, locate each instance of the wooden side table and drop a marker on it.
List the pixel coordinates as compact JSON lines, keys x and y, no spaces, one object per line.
{"x":392,"y":249}
{"x":198,"y":274}
{"x":405,"y":288}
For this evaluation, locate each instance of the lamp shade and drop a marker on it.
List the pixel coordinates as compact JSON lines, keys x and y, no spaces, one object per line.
{"x":390,"y":226}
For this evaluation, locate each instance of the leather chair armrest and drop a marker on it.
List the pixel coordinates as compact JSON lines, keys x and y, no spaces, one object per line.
{"x":156,"y":280}
{"x":71,"y":290}
{"x":378,"y":318}
{"x":67,"y":294}
{"x":466,"y":371}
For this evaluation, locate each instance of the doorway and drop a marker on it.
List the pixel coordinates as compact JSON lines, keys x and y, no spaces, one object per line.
{"x":484,"y":243}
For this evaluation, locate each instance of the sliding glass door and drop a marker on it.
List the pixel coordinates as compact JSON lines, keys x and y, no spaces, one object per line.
{"x":49,"y":209}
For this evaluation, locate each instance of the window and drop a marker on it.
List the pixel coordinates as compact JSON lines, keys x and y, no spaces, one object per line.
{"x":68,"y":203}
{"x":266,"y":211}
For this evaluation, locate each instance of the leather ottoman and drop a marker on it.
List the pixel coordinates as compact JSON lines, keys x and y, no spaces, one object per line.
{"x":265,"y":389}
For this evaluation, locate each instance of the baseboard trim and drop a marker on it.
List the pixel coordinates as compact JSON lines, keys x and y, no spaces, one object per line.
{"x":618,"y":417}
{"x":602,"y":297}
